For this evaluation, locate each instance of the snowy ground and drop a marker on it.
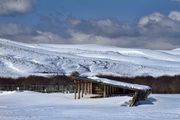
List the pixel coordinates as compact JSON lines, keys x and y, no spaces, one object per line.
{"x":56,"y":106}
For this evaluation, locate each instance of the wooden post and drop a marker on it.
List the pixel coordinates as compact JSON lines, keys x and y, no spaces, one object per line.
{"x":124,"y":91}
{"x":79,"y":89}
{"x":90,"y":88}
{"x":134,"y":100}
{"x":104,"y":91}
{"x":82,"y":89}
{"x":110,"y":91}
{"x":85,"y":88}
{"x":75,"y":89}
{"x":107,"y":90}
{"x":115,"y":90}
{"x":63,"y":89}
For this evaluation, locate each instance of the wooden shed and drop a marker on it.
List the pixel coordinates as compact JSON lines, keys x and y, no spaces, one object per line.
{"x":103,"y":87}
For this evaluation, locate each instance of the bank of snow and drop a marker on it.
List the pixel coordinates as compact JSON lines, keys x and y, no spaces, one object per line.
{"x":38,"y":106}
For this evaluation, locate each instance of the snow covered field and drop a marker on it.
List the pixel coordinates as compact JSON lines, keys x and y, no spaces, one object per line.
{"x":19,"y":59}
{"x":57,"y":106}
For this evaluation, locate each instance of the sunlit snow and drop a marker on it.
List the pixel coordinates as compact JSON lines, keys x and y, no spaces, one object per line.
{"x":58,"y":106}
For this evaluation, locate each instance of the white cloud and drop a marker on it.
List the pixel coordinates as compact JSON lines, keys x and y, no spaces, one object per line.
{"x":47,"y":37}
{"x":152,"y":18}
{"x":174,"y":15}
{"x":9,"y":7}
{"x":159,"y":25}
{"x":83,"y":38}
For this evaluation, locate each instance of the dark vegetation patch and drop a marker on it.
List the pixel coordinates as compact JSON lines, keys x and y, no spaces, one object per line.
{"x":61,"y":83}
{"x":37,"y":83}
{"x":163,"y":84}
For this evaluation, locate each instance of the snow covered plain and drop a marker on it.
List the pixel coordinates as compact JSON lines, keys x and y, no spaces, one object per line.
{"x":57,"y":106}
{"x":19,"y":59}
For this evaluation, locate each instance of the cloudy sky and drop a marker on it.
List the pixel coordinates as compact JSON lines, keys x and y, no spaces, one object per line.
{"x":152,"y":24}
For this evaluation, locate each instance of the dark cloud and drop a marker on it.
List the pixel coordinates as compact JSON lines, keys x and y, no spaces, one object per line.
{"x":11,"y":7}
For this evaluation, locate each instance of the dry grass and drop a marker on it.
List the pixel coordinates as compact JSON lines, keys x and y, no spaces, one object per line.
{"x":163,"y":84}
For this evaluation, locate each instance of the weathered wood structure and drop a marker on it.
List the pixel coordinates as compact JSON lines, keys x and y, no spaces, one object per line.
{"x":80,"y":86}
{"x":106,"y":88}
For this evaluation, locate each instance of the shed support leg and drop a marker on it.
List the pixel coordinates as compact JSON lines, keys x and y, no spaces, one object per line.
{"x":91,"y":88}
{"x":85,"y":88}
{"x":75,"y":89}
{"x":110,"y":90}
{"x":88,"y":88}
{"x":104,"y":91}
{"x":82,"y":87}
{"x":107,"y":90}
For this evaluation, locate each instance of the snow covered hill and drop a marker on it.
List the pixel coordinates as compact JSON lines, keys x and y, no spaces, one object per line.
{"x":20,"y":59}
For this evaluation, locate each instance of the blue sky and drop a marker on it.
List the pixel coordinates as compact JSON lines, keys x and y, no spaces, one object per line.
{"x":123,"y":10}
{"x":74,"y":21}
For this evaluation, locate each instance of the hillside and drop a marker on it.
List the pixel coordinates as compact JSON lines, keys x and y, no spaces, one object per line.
{"x":19,"y":59}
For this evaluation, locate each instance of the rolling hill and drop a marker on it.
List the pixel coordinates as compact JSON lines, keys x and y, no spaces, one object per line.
{"x":20,"y":60}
